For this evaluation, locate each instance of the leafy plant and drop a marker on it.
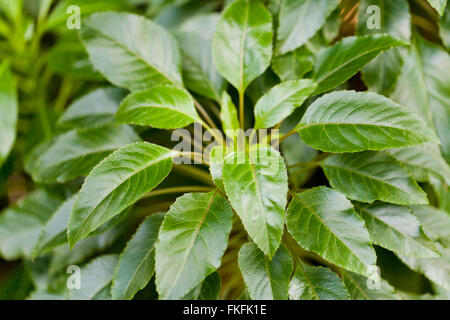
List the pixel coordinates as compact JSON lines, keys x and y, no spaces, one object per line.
{"x":239,"y":149}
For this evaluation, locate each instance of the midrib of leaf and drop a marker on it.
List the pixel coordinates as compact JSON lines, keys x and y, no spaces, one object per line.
{"x":309,"y":281}
{"x":266,"y":114}
{"x":241,"y":53}
{"x":90,"y":214}
{"x":168,"y":108}
{"x":267,"y":267}
{"x":299,"y":19}
{"x":197,"y":231}
{"x":326,"y":226}
{"x":356,"y":284}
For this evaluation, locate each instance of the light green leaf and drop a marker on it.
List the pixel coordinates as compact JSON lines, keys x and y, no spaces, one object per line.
{"x":116,"y":183}
{"x":369,"y":176}
{"x":75,"y":153}
{"x":256,"y":185}
{"x":228,"y":113}
{"x":439,"y":5}
{"x":96,"y":277}
{"x":280,"y":101}
{"x":344,"y":59}
{"x":424,"y":87}
{"x":395,"y":228}
{"x":299,"y":20}
{"x":195,"y":40}
{"x":209,"y":289}
{"x":93,"y":109}
{"x":324,"y":221}
{"x":8,"y":111}
{"x":293,"y":65}
{"x":444,"y":28}
{"x":358,"y":288}
{"x":216,"y":159}
{"x":349,"y":121}
{"x":435,"y":222}
{"x":137,"y":262}
{"x":242,"y":42}
{"x":136,"y":57}
{"x":265,"y":279}
{"x":163,"y":107}
{"x":316,"y":283}
{"x":191,"y":242}
{"x":21,"y":225}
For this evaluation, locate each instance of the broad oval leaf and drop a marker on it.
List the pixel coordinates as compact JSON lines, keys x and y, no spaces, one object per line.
{"x":299,"y":20}
{"x":344,"y":59}
{"x":93,"y":109}
{"x":96,"y":278}
{"x":116,"y":183}
{"x":137,"y":262}
{"x":316,"y":283}
{"x":75,"y":153}
{"x":349,"y":121}
{"x":435,"y":222}
{"x":217,"y":157}
{"x":163,"y":107}
{"x":324,"y":221}
{"x":293,"y":65}
{"x":209,"y":289}
{"x":256,"y":185}
{"x":8,"y":111}
{"x":228,"y":114}
{"x":395,"y":228}
{"x":357,"y":286}
{"x":242,"y":42}
{"x":120,"y":42}
{"x":191,"y":242}
{"x":369,"y":176}
{"x":280,"y":101}
{"x":265,"y":279}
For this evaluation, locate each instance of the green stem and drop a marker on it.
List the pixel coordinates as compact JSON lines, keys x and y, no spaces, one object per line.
{"x":173,"y":190}
{"x":195,"y":173}
{"x":241,"y":108}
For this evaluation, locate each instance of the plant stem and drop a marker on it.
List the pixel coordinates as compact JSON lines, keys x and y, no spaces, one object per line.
{"x":204,"y":114}
{"x":173,"y":190}
{"x":195,"y":155}
{"x":195,"y":173}
{"x":241,"y":108}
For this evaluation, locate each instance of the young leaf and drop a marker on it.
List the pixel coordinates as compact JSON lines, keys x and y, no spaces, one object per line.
{"x":265,"y":279}
{"x":293,"y":65}
{"x":94,"y":109}
{"x":199,"y":73}
{"x":324,"y":221}
{"x":316,"y":283}
{"x":116,"y":183}
{"x":439,"y":5}
{"x":357,"y":286}
{"x":75,"y":153}
{"x":242,"y":42}
{"x":395,"y":228}
{"x":228,"y":113}
{"x":256,"y":185}
{"x":163,"y":107}
{"x":369,"y":176}
{"x":280,"y":101}
{"x":191,"y":242}
{"x":96,"y":277}
{"x":299,"y":20}
{"x":216,"y":160}
{"x":344,"y":59}
{"x":349,"y":121}
{"x":21,"y":225}
{"x":8,"y":111}
{"x":115,"y":48}
{"x":209,"y":289}
{"x":137,"y":262}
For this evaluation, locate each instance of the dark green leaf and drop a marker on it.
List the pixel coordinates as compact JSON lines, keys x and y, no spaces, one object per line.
{"x":358,"y":288}
{"x":209,"y":289}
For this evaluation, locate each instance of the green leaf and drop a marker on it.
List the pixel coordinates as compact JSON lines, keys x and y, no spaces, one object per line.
{"x":265,"y":279}
{"x":439,"y":5}
{"x":137,"y":262}
{"x":424,"y":87}
{"x":435,"y":222}
{"x":75,"y":153}
{"x":163,"y":107}
{"x":96,"y":276}
{"x":217,"y":157}
{"x":116,"y":183}
{"x":228,"y":113}
{"x":316,"y":283}
{"x":8,"y":111}
{"x":96,"y":108}
{"x":280,"y":101}
{"x":191,"y":242}
{"x":293,"y":65}
{"x":324,"y":221}
{"x":349,"y":121}
{"x":21,"y":225}
{"x":256,"y":184}
{"x":344,"y":59}
{"x":422,"y":161}
{"x":444,"y":28}
{"x":395,"y":228}
{"x":209,"y":289}
{"x":131,"y":57}
{"x":369,"y":176}
{"x":381,"y":74}
{"x":358,"y":288}
{"x":242,"y":42}
{"x":299,"y":20}
{"x":195,"y":40}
